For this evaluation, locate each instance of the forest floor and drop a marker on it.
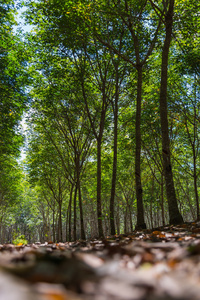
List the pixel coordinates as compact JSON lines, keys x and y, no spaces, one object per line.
{"x":159,"y":264}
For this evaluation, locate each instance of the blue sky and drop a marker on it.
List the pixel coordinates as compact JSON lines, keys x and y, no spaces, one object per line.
{"x":21,"y":23}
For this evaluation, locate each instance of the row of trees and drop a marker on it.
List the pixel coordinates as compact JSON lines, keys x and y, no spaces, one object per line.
{"x":113,"y":137}
{"x":13,"y":78}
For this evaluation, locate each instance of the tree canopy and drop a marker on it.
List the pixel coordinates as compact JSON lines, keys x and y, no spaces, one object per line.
{"x":109,"y":91}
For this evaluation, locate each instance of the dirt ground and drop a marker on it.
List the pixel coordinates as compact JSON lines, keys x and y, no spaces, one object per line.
{"x":159,"y":264}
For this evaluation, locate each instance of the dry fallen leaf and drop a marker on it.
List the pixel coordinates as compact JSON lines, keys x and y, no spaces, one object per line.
{"x":159,"y":264}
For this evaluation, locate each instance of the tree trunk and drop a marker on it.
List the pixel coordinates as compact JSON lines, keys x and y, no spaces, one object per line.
{"x":174,"y":214}
{"x":187,"y":195}
{"x":151,"y":202}
{"x":53,"y":227}
{"x":195,"y":183}
{"x":195,"y":152}
{"x":114,"y":172}
{"x":60,"y":221}
{"x":162,"y":200}
{"x":45,"y":225}
{"x":140,"y":210}
{"x":81,"y":208}
{"x":70,"y":216}
{"x":99,"y":209}
{"x":130,"y":218}
{"x":118,"y":218}
{"x":125,"y":220}
{"x":75,"y":194}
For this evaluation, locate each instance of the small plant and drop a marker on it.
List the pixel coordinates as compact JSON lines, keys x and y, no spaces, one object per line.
{"x":20,"y":240}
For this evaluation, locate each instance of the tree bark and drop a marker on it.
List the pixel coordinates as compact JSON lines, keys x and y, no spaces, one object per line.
{"x":118,"y":218}
{"x":75,"y":194}
{"x":99,"y":209}
{"x":130,"y":218}
{"x":140,"y":210}
{"x":114,"y":172}
{"x":60,"y":222}
{"x":162,"y":199}
{"x":195,"y":155}
{"x":60,"y":210}
{"x":70,"y":215}
{"x":174,"y":214}
{"x":80,"y":207}
{"x":195,"y":182}
{"x":54,"y":234}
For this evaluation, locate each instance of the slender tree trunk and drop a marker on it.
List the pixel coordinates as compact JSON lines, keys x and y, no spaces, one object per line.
{"x":125,"y":221}
{"x":195,"y":155}
{"x":195,"y":183}
{"x":59,"y":200}
{"x":75,"y":194}
{"x":80,"y":207}
{"x":195,"y":151}
{"x":174,"y":214}
{"x":98,"y":137}
{"x":53,"y":229}
{"x":60,"y":221}
{"x":118,"y":218}
{"x":114,"y":173}
{"x":66,"y":226}
{"x":57,"y":226}
{"x":151,"y":203}
{"x":130,"y":218}
{"x":187,"y":195}
{"x":70,"y":215}
{"x":140,"y":210}
{"x":48,"y":226}
{"x":162,"y":200}
{"x":99,"y":209}
{"x":45,"y":226}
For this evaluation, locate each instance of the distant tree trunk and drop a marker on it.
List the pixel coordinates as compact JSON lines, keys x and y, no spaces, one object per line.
{"x":81,"y":208}
{"x":140,"y":210}
{"x":48,"y":224}
{"x":151,"y":203}
{"x":162,"y":200}
{"x":174,"y":214}
{"x":187,"y":195}
{"x":118,"y":218}
{"x":99,"y":209}
{"x":57,"y":227}
{"x":59,"y":201}
{"x":98,"y":136}
{"x":130,"y":218}
{"x":45,"y":225}
{"x":75,"y":194}
{"x":60,"y":222}
{"x":194,"y":142}
{"x":70,"y":216}
{"x":53,"y":227}
{"x":106,"y":226}
{"x":195,"y":176}
{"x":196,"y":151}
{"x":125,"y":220}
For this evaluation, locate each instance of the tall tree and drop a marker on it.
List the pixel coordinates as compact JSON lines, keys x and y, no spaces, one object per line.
{"x":131,"y":16}
{"x":174,"y":214}
{"x":12,"y":81}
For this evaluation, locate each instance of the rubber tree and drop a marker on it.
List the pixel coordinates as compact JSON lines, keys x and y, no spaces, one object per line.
{"x":130,"y":15}
{"x":167,"y":17}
